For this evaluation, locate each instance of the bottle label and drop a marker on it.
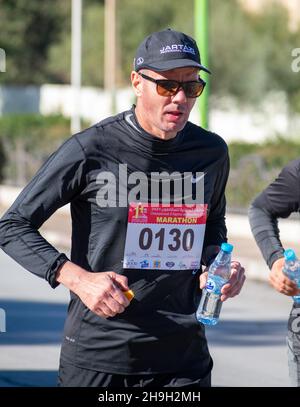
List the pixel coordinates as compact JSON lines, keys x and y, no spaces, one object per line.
{"x":210,"y":285}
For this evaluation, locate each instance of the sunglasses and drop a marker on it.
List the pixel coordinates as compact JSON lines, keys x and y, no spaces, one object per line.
{"x":169,"y":87}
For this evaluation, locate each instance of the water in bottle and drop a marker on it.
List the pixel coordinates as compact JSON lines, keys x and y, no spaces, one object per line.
{"x":291,"y":269}
{"x":208,"y":311}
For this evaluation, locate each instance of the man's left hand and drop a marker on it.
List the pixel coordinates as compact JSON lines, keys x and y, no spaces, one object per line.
{"x":234,"y":284}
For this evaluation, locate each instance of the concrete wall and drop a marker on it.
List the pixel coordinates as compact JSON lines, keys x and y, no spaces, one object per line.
{"x":227,"y":117}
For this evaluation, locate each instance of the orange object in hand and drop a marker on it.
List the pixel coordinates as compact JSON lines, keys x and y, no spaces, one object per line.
{"x":129,"y":294}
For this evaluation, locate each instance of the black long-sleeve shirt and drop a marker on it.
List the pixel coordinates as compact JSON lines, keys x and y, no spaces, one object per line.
{"x":158,"y":331}
{"x":278,"y":200}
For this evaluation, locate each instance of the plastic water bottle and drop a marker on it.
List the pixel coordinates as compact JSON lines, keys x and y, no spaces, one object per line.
{"x":291,"y":269}
{"x":208,"y":311}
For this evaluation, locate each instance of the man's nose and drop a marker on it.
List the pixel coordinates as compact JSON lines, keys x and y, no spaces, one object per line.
{"x":179,"y":96}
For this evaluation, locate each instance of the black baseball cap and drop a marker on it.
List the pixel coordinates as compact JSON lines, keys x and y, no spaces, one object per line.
{"x":167,"y":49}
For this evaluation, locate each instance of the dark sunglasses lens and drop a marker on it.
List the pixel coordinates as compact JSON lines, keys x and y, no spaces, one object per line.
{"x":167,"y":88}
{"x":193,"y":89}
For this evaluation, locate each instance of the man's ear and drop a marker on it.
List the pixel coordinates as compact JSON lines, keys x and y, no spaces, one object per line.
{"x":136,"y":83}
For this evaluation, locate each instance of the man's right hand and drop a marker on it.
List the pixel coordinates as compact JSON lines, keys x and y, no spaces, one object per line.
{"x":280,"y":281}
{"x":101,"y":292}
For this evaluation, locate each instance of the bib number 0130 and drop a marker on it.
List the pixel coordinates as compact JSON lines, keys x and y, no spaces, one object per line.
{"x":165,"y":237}
{"x":180,"y":240}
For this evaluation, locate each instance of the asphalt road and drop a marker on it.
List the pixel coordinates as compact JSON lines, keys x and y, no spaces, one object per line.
{"x":248,"y":344}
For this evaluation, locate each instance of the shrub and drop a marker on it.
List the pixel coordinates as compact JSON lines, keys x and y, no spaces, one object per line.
{"x":27,"y":140}
{"x":254,"y":166}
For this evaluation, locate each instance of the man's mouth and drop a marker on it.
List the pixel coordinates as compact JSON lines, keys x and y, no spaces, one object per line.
{"x":174,"y":114}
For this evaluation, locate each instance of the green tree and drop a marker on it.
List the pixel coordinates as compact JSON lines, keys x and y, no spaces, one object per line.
{"x":272,"y":29}
{"x":237,"y":58}
{"x":137,"y":19}
{"x":251,"y":55}
{"x":28,"y":28}
{"x":92,"y":47}
{"x":134,"y":20}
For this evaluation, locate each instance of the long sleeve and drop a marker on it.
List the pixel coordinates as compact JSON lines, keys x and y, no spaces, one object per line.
{"x":54,"y":185}
{"x":278,"y":200}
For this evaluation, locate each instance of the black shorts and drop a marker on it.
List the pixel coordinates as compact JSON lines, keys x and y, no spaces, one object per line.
{"x":73,"y":376}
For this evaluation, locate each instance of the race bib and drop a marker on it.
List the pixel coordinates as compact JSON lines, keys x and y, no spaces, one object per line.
{"x":164,"y":237}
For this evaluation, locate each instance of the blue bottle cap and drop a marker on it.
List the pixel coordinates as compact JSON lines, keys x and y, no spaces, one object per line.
{"x":289,"y":255}
{"x":227,"y":247}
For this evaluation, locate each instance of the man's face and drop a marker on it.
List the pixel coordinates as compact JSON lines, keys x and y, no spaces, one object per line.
{"x":163,"y":116}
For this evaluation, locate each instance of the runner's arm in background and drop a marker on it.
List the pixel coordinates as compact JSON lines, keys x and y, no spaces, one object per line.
{"x":278,"y":200}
